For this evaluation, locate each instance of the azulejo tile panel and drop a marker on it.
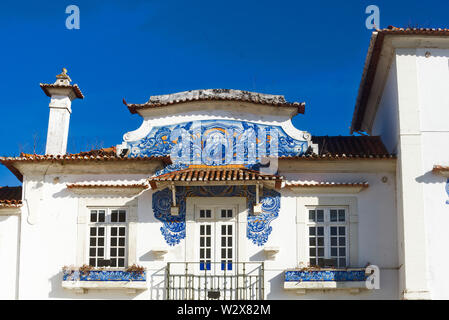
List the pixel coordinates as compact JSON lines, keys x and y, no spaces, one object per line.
{"x":258,"y":229}
{"x":103,"y":275}
{"x":325,"y":275}
{"x":217,"y":142}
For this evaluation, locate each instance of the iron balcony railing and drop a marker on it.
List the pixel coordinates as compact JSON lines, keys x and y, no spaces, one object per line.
{"x":200,"y":281}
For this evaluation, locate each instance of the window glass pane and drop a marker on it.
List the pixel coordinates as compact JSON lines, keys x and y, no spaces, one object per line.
{"x":320,"y":231}
{"x":229,"y":213}
{"x":333,"y":241}
{"x":321,"y":252}
{"x":101,"y":216}
{"x":333,"y":231}
{"x":202,"y":214}
{"x":341,"y":215}
{"x":342,"y":241}
{"x":122,"y":216}
{"x":114,"y":216}
{"x":320,"y":241}
{"x":208,"y":214}
{"x":319,"y":215}
{"x":333,"y":252}
{"x":333,"y":214}
{"x":312,"y":241}
{"x":312,"y":215}
{"x":312,"y":231}
{"x":223,"y":213}
{"x":93,"y":216}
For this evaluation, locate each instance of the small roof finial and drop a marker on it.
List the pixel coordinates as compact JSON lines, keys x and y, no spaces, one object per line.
{"x":63,"y":78}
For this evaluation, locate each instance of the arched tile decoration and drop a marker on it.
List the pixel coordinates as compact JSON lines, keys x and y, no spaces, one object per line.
{"x":204,"y":134}
{"x":173,"y":228}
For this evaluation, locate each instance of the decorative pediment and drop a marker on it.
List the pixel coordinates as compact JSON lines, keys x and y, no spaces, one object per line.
{"x":218,"y":142}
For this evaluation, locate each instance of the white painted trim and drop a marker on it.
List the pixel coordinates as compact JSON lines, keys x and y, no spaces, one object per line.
{"x":12,"y":211}
{"x":241,"y":224}
{"x":130,"y":204}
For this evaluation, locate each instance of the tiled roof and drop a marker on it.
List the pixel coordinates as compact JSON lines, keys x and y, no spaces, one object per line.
{"x":78,"y":157}
{"x":216,"y":95}
{"x":350,"y":145}
{"x":440,"y":169}
{"x":202,"y":173}
{"x":10,"y":197}
{"x":106,"y":154}
{"x":75,"y":88}
{"x":372,"y":60}
{"x":346,"y":147}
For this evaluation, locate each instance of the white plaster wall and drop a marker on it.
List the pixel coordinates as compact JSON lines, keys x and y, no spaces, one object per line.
{"x":8,"y":255}
{"x":385,"y":123}
{"x":433,"y":83}
{"x":51,"y":241}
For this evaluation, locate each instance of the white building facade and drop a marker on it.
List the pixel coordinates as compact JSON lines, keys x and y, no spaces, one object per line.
{"x":218,"y":196}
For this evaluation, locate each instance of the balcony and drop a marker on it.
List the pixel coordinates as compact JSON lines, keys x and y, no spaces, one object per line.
{"x":352,"y":279}
{"x":80,"y":281}
{"x":214,"y":281}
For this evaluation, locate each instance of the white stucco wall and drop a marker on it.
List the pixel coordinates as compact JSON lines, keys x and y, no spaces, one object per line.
{"x":51,"y":241}
{"x":412,"y":119}
{"x":433,"y":83}
{"x":8,"y":253}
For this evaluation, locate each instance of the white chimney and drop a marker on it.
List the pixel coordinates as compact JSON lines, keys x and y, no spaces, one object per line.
{"x":62,"y":93}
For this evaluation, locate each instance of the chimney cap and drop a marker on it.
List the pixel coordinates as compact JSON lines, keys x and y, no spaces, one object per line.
{"x":62,"y":86}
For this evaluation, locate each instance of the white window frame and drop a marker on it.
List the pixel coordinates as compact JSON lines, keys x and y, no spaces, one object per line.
{"x":108,"y":224}
{"x":304,"y":203}
{"x":327,"y":224}
{"x":216,"y":221}
{"x":240,"y":217}
{"x":85,"y":204}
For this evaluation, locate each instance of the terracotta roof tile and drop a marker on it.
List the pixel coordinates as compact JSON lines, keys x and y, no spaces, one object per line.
{"x":214,"y":173}
{"x":75,"y":88}
{"x":10,"y":196}
{"x":346,"y":147}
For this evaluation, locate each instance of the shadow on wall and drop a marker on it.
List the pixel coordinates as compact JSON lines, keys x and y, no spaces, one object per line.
{"x":430,"y":177}
{"x":156,"y":284}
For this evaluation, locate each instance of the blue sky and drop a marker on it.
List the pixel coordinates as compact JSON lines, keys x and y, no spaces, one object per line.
{"x":310,"y":51}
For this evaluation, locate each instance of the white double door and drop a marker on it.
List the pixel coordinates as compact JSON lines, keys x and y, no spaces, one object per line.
{"x":215,"y":239}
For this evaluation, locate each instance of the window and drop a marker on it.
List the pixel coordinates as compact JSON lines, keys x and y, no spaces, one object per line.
{"x":108,"y":237}
{"x":328,"y":237}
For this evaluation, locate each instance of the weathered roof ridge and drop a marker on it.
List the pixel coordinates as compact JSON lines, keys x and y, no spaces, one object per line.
{"x":218,"y":95}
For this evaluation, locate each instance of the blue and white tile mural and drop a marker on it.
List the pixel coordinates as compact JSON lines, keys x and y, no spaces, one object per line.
{"x":174,"y":227}
{"x":325,"y":275}
{"x":217,"y":142}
